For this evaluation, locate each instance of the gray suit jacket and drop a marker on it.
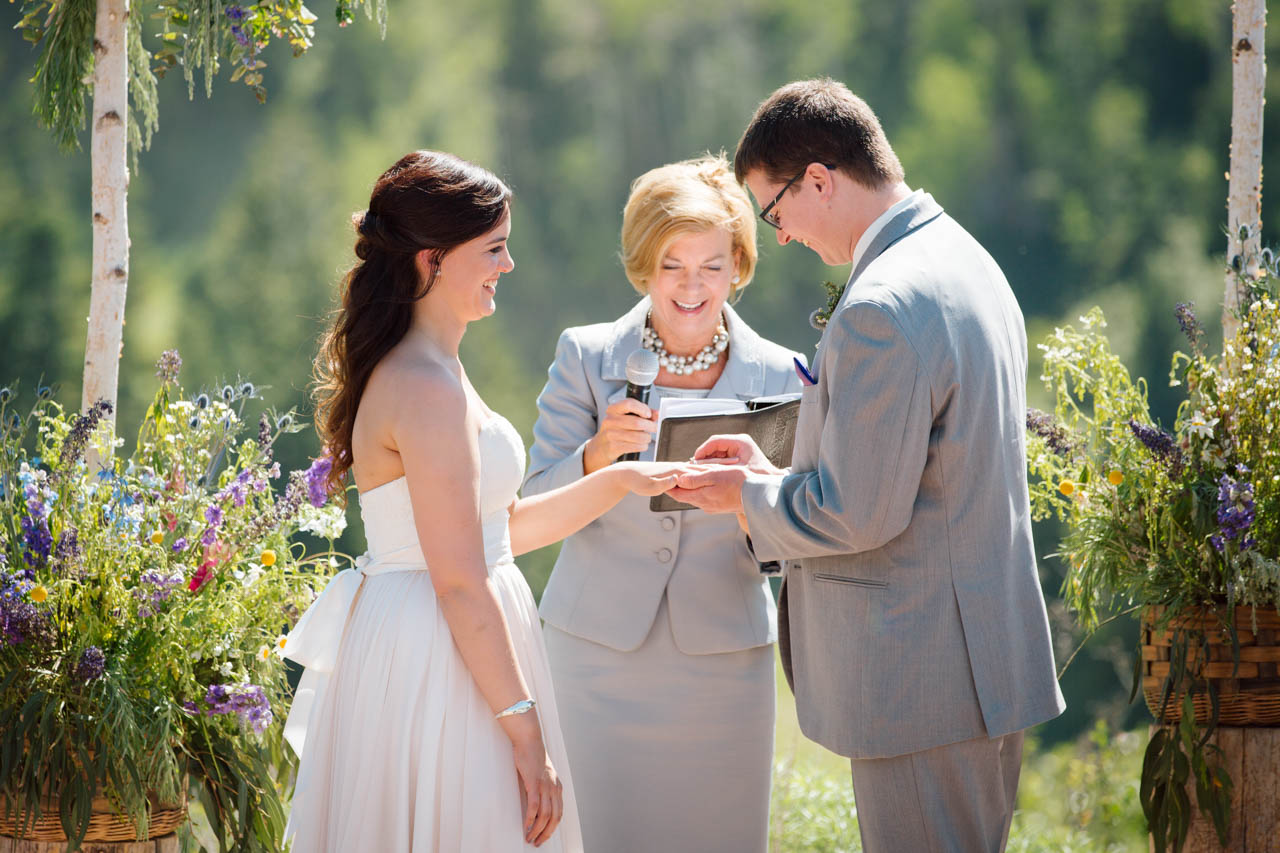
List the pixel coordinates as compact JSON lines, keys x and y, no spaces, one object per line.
{"x":610,"y":577}
{"x":911,"y":613}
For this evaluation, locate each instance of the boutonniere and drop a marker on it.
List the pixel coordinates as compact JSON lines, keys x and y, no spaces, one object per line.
{"x":818,"y":319}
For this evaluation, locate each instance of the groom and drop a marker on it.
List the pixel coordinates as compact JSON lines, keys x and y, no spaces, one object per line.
{"x":911,"y":623}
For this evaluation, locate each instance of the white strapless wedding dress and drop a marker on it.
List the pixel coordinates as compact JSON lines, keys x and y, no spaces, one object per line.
{"x":399,"y":751}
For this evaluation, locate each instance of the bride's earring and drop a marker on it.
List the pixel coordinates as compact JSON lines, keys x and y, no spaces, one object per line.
{"x":736,"y":278}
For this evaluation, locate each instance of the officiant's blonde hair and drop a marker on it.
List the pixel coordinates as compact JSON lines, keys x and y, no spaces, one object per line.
{"x":689,"y":197}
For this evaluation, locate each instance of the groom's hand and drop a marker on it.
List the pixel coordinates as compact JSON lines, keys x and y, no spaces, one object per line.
{"x":734,"y":450}
{"x":713,"y":489}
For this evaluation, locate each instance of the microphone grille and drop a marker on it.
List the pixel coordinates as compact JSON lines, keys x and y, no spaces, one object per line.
{"x":642,"y":367}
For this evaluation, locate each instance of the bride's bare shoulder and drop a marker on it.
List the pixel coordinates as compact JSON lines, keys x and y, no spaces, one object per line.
{"x":407,"y":383}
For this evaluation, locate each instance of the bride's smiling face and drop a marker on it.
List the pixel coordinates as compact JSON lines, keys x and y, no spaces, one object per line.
{"x":468,"y":276}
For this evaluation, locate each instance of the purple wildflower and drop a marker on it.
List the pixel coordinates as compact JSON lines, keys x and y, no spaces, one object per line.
{"x":248,"y":701}
{"x":20,"y":619}
{"x":180,"y":545}
{"x":1186,"y":314}
{"x":209,"y":536}
{"x":81,"y":430}
{"x":35,"y":535}
{"x":317,"y":480}
{"x":66,"y":555}
{"x":235,"y":13}
{"x":92,"y":665}
{"x":213,"y":515}
{"x":1055,"y":436}
{"x":169,"y":363}
{"x":1235,"y":512}
{"x":1161,"y":445}
{"x":158,"y":587}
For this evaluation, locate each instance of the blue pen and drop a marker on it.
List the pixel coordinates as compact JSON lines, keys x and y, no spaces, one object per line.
{"x":803,"y":372}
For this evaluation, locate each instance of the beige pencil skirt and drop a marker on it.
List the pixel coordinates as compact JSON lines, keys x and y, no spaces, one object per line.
{"x":669,"y":752}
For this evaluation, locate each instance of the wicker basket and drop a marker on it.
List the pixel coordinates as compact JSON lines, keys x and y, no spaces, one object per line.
{"x":1248,"y":694}
{"x":105,"y":824}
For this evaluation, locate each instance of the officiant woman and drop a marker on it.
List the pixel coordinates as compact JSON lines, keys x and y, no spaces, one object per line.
{"x":660,"y":626}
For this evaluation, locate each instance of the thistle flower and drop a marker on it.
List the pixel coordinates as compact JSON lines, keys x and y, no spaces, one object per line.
{"x":92,"y":665}
{"x":168,"y":365}
{"x":1186,"y":314}
{"x":5,"y":395}
{"x":1055,"y":436}
{"x":202,"y":401}
{"x":228,"y":394}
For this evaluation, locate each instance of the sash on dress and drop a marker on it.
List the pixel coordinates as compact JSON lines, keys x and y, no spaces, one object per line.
{"x":314,"y":642}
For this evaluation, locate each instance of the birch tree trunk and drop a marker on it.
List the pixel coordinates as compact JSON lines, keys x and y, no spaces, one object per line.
{"x":110,"y":176}
{"x":1244,"y":199}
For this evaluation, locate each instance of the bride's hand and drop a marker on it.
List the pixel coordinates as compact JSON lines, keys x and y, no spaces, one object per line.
{"x":541,"y":793}
{"x":649,"y":478}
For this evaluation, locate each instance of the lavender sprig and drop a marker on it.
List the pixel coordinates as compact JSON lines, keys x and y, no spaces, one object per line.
{"x":1161,"y":445}
{"x":1055,"y":436}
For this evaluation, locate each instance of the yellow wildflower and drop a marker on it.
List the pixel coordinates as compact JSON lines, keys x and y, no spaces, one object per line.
{"x":1115,"y":477}
{"x":39,"y":594}
{"x":157,"y":537}
{"x":268,"y":557}
{"x":1067,"y":487}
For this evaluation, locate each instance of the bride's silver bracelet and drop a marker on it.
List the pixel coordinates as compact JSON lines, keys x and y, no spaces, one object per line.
{"x":524,"y":706}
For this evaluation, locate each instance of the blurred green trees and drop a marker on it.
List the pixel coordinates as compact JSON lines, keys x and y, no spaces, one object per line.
{"x":1084,"y":144}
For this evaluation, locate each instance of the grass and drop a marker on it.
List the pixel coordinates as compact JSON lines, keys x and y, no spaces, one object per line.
{"x":1072,"y":797}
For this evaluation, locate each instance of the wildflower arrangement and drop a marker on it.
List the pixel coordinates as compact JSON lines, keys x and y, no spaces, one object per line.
{"x":1187,"y":520}
{"x":143,"y":608}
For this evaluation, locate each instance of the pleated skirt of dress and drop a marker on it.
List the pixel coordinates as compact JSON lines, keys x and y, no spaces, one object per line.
{"x":402,"y":753}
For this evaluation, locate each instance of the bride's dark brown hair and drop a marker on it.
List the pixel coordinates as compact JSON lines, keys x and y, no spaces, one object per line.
{"x":427,"y":201}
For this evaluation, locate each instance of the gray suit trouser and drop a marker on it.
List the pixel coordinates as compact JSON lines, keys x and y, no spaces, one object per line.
{"x":956,"y":798}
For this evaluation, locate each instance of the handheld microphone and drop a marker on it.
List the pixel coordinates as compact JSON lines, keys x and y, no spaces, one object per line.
{"x":642,"y":369}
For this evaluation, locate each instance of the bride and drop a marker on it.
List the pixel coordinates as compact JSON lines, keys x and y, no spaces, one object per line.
{"x":425,"y":720}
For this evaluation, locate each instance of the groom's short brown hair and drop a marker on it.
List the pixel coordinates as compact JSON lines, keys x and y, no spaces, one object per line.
{"x":817,"y":121}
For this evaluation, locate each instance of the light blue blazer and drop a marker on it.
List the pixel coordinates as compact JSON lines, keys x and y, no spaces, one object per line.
{"x":611,"y":575}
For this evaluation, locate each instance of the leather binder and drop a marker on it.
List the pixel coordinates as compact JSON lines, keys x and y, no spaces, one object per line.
{"x":770,"y":421}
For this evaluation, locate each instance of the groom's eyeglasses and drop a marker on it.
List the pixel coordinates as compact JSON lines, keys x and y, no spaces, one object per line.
{"x":770,"y":218}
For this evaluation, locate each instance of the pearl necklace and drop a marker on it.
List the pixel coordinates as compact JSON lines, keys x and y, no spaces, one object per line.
{"x":684,"y":365}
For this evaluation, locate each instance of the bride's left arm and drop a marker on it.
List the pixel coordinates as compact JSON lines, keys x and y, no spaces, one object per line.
{"x":543,"y":519}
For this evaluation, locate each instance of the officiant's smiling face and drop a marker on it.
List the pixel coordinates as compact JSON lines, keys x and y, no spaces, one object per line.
{"x":468,"y":276}
{"x":689,"y":288}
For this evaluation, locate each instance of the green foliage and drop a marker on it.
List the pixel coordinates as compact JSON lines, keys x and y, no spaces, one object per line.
{"x":142,"y":610}
{"x":1182,"y":520}
{"x":195,"y":34}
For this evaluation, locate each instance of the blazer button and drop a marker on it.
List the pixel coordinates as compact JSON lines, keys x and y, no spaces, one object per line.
{"x":664,"y":555}
{"x":668,"y":523}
